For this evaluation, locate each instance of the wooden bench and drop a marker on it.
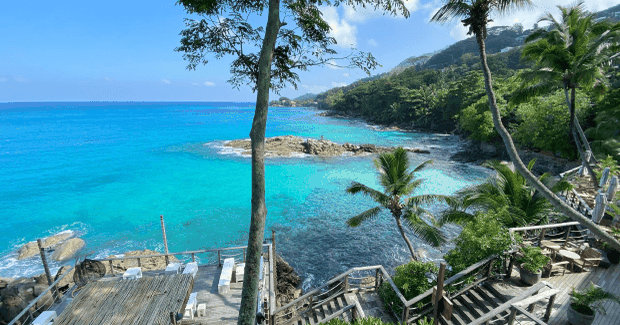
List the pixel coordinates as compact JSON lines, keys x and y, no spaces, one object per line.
{"x":46,"y":318}
{"x":223,"y":286}
{"x":190,"y":307}
{"x":132,"y":273}
{"x":239,"y":270}
{"x":173,"y":269}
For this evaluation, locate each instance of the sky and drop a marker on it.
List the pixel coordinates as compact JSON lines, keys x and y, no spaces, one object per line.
{"x":124,"y":50}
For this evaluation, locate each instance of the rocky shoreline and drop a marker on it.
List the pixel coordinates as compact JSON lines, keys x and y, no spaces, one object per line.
{"x":286,"y":146}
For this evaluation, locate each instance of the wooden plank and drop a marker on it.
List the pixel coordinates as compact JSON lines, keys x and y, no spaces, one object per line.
{"x":538,"y":297}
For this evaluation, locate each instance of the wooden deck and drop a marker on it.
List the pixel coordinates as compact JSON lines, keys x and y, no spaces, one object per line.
{"x":609,"y":279}
{"x":148,"y":300}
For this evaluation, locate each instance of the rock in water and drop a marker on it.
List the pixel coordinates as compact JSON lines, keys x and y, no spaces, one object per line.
{"x":287,"y":282}
{"x":28,"y":250}
{"x":148,"y":264}
{"x":52,"y":241}
{"x":67,"y":281}
{"x":67,"y":249}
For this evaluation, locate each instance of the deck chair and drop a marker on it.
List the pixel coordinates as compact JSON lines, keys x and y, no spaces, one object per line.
{"x":589,"y":257}
{"x":555,"y":266}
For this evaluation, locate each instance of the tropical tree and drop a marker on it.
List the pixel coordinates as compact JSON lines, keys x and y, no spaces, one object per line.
{"x":295,"y":37}
{"x":475,"y":14}
{"x":398,"y":182}
{"x":508,"y":191}
{"x":571,"y":54}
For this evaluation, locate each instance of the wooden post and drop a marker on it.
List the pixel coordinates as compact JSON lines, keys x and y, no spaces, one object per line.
{"x":219,"y":259}
{"x":354,"y":314}
{"x":244,"y":255}
{"x":346,"y":283}
{"x":549,"y":309}
{"x":489,"y":269}
{"x":542,"y":236}
{"x":377,"y":275}
{"x":439,"y":294}
{"x":48,"y":274}
{"x":273,"y":239}
{"x":510,"y":265}
{"x":405,"y":314}
{"x":193,"y":257}
{"x":139,"y":262}
{"x":167,"y":260}
{"x":513,"y":315}
{"x":567,"y":234}
{"x":163,"y":230}
{"x":30,"y":315}
{"x":111,"y":267}
{"x":173,"y":318}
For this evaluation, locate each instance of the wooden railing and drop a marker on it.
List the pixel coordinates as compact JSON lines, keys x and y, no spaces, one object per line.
{"x":338,"y":285}
{"x":558,"y":232}
{"x":455,"y":286}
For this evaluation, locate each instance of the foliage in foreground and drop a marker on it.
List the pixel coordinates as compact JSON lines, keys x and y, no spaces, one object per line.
{"x":374,"y":321}
{"x":411,"y":281}
{"x":591,"y":300}
{"x":533,"y":259}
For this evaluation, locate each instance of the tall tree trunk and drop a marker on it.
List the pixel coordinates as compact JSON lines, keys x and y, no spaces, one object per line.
{"x":249,"y":293}
{"x":402,"y":233}
{"x":521,"y":168}
{"x":582,"y":135}
{"x":570,"y":101}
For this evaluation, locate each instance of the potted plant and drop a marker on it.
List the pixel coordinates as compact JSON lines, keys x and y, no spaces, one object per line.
{"x":586,"y":303}
{"x":532,"y":262}
{"x":612,"y":254}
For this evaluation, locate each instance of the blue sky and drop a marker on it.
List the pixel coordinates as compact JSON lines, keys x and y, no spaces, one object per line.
{"x":123,"y":50}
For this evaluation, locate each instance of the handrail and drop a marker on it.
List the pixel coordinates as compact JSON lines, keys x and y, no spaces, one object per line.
{"x":551,"y":225}
{"x":336,"y":314}
{"x":179,"y":253}
{"x":570,"y":171}
{"x":272,"y":288}
{"x":452,"y":279}
{"x":33,"y":302}
{"x":529,"y":315}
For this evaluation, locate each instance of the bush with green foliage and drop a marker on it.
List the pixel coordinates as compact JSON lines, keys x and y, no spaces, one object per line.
{"x":482,"y":237}
{"x":411,"y":281}
{"x":610,"y":162}
{"x":533,"y":259}
{"x":361,"y":321}
{"x":590,"y":300}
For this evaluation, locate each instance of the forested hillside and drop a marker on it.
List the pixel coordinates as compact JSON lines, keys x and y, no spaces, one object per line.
{"x":446,"y":93}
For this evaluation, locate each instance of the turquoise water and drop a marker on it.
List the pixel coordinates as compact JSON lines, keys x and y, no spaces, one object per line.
{"x":108,"y":170}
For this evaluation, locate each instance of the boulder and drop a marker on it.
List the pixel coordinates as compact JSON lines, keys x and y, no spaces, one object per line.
{"x":40,"y":279}
{"x":287,"y":281}
{"x":51,"y":242}
{"x":28,"y":250}
{"x":67,"y":249}
{"x":67,"y":281}
{"x":4,"y":282}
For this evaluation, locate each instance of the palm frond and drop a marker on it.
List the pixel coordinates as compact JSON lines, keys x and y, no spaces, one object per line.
{"x":422,"y":166}
{"x":419,"y":200}
{"x":366,"y":215}
{"x":377,"y":196}
{"x":506,"y":6}
{"x":455,"y":217}
{"x":428,"y":233}
{"x":453,"y":9}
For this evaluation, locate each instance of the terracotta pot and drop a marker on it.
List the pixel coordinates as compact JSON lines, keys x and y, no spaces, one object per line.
{"x":529,"y":277}
{"x":577,"y":318}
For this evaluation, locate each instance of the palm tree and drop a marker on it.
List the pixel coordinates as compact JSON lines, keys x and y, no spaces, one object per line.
{"x":507,"y":190}
{"x":570,"y":54}
{"x":476,"y":16}
{"x":398,"y":182}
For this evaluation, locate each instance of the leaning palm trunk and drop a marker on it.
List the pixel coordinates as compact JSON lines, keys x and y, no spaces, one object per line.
{"x":402,"y":233}
{"x":570,"y":101}
{"x":514,"y":156}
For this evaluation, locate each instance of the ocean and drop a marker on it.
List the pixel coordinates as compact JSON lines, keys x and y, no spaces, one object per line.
{"x":108,"y":170}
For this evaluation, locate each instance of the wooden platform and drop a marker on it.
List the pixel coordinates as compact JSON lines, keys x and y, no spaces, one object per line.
{"x":609,"y":279}
{"x":148,"y":300}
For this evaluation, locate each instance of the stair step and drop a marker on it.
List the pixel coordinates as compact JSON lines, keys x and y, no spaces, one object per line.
{"x":471,"y":306}
{"x":459,"y":306}
{"x":490,"y":299}
{"x":482,"y":303}
{"x":494,"y":292}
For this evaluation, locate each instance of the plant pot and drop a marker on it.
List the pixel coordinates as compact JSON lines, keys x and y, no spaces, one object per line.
{"x":613,"y":256}
{"x":577,"y":318}
{"x":529,"y":277}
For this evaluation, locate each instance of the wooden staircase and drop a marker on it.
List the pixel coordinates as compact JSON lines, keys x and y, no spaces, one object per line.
{"x":344,"y":306}
{"x":475,"y":303}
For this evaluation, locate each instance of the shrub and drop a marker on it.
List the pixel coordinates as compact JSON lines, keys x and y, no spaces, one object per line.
{"x":533,"y":260}
{"x":590,"y":300}
{"x":362,"y":321}
{"x":480,"y":238}
{"x":411,"y":281}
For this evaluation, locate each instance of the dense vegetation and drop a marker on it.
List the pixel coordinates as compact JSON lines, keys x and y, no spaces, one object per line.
{"x":452,"y":99}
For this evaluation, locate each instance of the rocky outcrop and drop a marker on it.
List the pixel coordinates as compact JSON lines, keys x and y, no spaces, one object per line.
{"x":32,"y":248}
{"x":289,"y":145}
{"x":17,"y":295}
{"x":148,"y":264}
{"x":67,"y":249}
{"x":66,"y":282}
{"x":287,"y":283}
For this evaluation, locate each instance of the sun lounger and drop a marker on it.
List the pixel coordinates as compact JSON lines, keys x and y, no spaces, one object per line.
{"x":227,"y":268}
{"x":191,"y":268}
{"x":173,"y":269}
{"x":239,"y":269}
{"x":202,"y":310}
{"x":132,"y":273}
{"x":46,"y":318}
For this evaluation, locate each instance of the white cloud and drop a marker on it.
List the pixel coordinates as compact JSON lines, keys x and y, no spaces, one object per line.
{"x":341,"y":30}
{"x":360,"y":14}
{"x":372,"y":42}
{"x":166,"y":81}
{"x":20,"y":79}
{"x":346,"y":75}
{"x":314,"y":89}
{"x":209,"y":84}
{"x":527,"y":17}
{"x":333,"y":65}
{"x":339,"y":84}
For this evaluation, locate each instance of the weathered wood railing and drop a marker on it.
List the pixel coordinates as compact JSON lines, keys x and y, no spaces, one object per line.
{"x":517,"y":304}
{"x":556,"y":232}
{"x":349,"y":281}
{"x":455,"y":286}
{"x":572,"y":198}
{"x":26,"y":316}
